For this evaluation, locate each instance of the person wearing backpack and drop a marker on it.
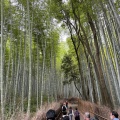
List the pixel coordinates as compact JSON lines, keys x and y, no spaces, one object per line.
{"x":70,"y":113}
{"x":51,"y":114}
{"x":64,"y":108}
{"x":77,"y":114}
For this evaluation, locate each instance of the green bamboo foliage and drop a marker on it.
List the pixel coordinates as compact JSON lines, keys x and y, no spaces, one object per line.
{"x":32,"y":53}
{"x":80,"y":17}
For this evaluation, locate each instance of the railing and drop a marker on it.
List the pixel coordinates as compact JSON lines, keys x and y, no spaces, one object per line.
{"x":83,"y":111}
{"x":58,"y":116}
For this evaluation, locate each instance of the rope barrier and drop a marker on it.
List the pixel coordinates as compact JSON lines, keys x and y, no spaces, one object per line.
{"x":99,"y":115}
{"x":58,"y":115}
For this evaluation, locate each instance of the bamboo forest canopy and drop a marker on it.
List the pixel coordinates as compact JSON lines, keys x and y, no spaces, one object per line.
{"x":38,"y":66}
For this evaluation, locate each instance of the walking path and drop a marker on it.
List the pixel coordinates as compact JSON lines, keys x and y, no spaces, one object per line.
{"x":73,"y":107}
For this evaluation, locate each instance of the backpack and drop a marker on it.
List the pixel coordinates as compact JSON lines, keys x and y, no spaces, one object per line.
{"x":65,"y":118}
{"x":76,"y":113}
{"x":50,"y":114}
{"x":63,"y":108}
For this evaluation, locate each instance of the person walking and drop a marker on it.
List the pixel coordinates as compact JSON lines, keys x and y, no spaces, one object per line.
{"x":70,"y":113}
{"x":64,"y":108}
{"x":77,"y":114}
{"x":67,"y":104}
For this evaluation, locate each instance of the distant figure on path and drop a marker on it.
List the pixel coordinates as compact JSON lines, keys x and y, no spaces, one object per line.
{"x":64,"y":108}
{"x":87,"y":116}
{"x":65,"y":116}
{"x":50,"y":115}
{"x":67,"y":104}
{"x":77,"y":114}
{"x":114,"y":115}
{"x":70,"y":113}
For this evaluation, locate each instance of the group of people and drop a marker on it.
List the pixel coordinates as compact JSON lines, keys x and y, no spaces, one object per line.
{"x":113,"y":116}
{"x":69,"y":114}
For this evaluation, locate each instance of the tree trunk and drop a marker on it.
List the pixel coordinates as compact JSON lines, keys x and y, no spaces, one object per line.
{"x":37,"y":74}
{"x":1,"y":64}
{"x":106,"y":97}
{"x":43,"y":68}
{"x":30,"y":60}
{"x":24,"y":73}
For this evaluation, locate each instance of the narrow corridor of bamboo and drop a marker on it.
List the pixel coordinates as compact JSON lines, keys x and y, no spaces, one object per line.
{"x":50,"y":50}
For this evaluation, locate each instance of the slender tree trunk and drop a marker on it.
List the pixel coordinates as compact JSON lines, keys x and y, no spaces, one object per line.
{"x":112,"y":70}
{"x":106,"y":96}
{"x":43,"y":68}
{"x":51,"y":72}
{"x":48,"y":86}
{"x":115,"y":13}
{"x":111,"y":37}
{"x":24,"y":73}
{"x":1,"y":64}
{"x":78,"y":59}
{"x":112,"y":43}
{"x":78,"y":89}
{"x":7,"y":77}
{"x":30,"y":60}
{"x":92,"y":79}
{"x":11,"y":87}
{"x":37,"y":73}
{"x":16,"y":82}
{"x":100,"y":28}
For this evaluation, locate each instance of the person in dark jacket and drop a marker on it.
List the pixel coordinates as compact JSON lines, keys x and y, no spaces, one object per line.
{"x":67,"y":104}
{"x":77,"y":114}
{"x":51,"y":114}
{"x":64,"y":108}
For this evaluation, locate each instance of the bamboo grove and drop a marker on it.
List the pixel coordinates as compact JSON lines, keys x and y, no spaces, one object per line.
{"x":29,"y":44}
{"x":32,"y":67}
{"x":94,"y":28}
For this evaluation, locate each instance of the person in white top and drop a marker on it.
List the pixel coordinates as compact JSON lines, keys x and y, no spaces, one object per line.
{"x":64,"y":108}
{"x":70,"y":113}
